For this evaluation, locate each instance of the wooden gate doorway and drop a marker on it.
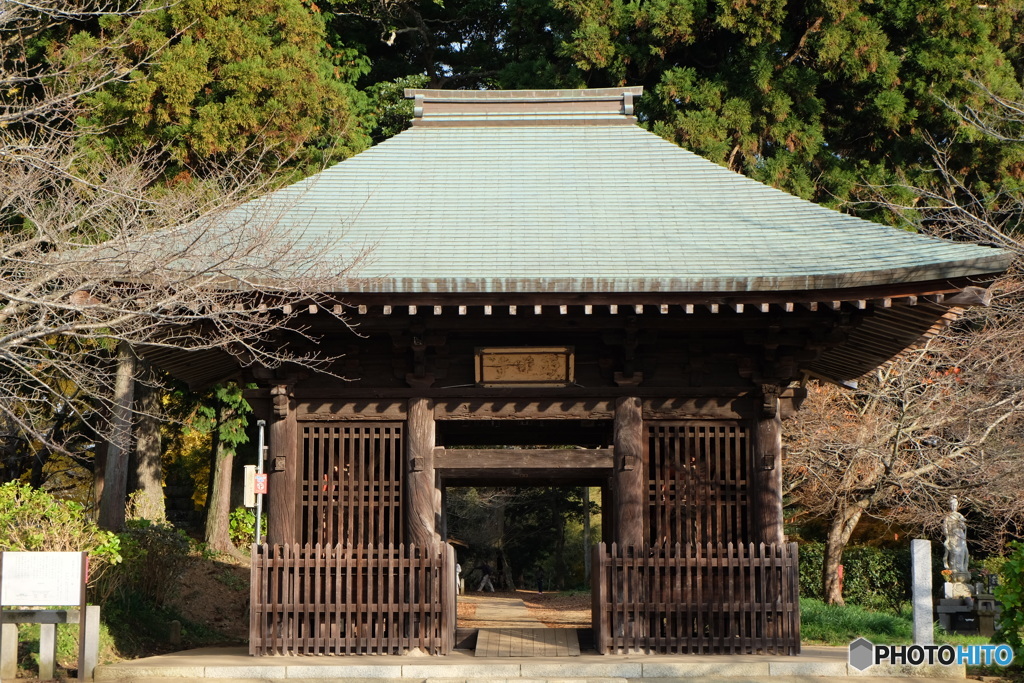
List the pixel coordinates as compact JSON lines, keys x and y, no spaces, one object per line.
{"x":526,"y":497}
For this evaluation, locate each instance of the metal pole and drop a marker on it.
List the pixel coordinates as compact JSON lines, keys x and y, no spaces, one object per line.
{"x":261,"y":455}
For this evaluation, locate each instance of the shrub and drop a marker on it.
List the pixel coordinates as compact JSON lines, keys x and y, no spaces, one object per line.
{"x":242,"y":527}
{"x":34,"y":520}
{"x":155,"y":556}
{"x":875,"y":578}
{"x":1010,"y":592}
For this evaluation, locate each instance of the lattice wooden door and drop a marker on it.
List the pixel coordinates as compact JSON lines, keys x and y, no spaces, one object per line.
{"x":698,"y":478}
{"x":350,"y":486}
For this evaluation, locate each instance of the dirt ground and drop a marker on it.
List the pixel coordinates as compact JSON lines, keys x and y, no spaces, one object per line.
{"x":559,"y":610}
{"x":215,"y":593}
{"x":554,"y":610}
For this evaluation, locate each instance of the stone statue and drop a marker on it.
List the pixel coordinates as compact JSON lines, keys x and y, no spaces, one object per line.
{"x":955,"y":558}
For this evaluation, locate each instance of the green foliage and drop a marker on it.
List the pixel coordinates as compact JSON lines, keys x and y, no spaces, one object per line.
{"x":1010,"y":592}
{"x":155,"y":556}
{"x":873,"y":578}
{"x":226,"y":79}
{"x":242,"y":526}
{"x":34,"y":520}
{"x":193,"y":430}
{"x":392,"y":112}
{"x":841,"y":624}
{"x":224,"y":411}
{"x":67,"y":646}
{"x":517,"y":530}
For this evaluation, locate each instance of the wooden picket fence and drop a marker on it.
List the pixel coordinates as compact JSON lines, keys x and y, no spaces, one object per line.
{"x":339,"y":600}
{"x":731,"y":599}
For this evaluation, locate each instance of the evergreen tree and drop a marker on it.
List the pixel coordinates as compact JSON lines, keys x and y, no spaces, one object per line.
{"x":226,"y":80}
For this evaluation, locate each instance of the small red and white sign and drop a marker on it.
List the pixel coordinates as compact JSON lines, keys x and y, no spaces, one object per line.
{"x":260,"y":483}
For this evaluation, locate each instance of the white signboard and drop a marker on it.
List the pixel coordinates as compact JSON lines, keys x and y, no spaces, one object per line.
{"x":41,"y":579}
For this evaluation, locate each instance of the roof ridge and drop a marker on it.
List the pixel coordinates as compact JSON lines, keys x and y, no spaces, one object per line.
{"x":591,"y":106}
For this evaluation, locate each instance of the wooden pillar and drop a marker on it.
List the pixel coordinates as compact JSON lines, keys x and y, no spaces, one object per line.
{"x":282,"y":469}
{"x":766,"y":484}
{"x":422,"y":499}
{"x":630,"y":474}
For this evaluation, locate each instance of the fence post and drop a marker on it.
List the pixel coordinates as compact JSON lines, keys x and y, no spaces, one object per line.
{"x":598,"y":598}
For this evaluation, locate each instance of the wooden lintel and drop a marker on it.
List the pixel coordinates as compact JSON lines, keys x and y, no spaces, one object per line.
{"x":468,"y":460}
{"x":522,"y":409}
{"x":706,"y":408}
{"x":350,"y":409}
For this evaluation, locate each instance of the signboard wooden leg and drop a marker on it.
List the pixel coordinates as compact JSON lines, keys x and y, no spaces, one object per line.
{"x":47,"y":650}
{"x":8,"y":652}
{"x":91,"y":651}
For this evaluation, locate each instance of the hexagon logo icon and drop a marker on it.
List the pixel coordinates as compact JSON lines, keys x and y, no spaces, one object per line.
{"x":862,"y":654}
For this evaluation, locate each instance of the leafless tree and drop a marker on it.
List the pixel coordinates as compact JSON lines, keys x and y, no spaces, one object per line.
{"x":941,"y":419}
{"x":101,"y":255}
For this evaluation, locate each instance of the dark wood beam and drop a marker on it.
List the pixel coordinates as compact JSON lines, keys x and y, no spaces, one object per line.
{"x":483,"y":462}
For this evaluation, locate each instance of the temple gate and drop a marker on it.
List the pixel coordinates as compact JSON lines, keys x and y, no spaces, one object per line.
{"x":540,"y":260}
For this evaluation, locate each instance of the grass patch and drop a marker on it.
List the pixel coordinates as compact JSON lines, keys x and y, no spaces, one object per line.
{"x":823,"y":624}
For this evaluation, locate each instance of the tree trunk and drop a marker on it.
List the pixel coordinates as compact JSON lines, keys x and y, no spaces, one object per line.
{"x":586,"y":535}
{"x":840,"y":530}
{"x":115,"y":474}
{"x":149,"y":472}
{"x":99,"y":474}
{"x":218,"y":500}
{"x":561,"y":570}
{"x":505,"y":572}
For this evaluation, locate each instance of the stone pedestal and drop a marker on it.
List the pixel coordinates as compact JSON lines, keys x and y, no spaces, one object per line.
{"x":958,"y":590}
{"x":958,"y":615}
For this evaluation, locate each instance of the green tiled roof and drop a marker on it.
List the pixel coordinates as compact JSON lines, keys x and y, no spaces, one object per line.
{"x":602,"y":207}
